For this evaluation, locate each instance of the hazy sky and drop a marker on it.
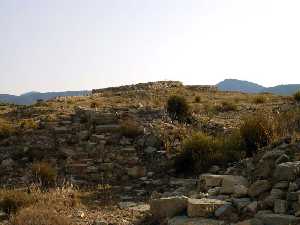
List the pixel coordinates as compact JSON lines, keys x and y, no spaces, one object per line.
{"x":53,"y":45}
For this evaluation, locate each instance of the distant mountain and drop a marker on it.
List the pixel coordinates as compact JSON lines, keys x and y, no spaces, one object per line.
{"x":32,"y":97}
{"x":250,"y":87}
{"x":240,"y":85}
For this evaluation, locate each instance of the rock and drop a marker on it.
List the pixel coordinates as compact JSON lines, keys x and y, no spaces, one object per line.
{"x":240,"y":203}
{"x":280,"y":206}
{"x":229,"y":182}
{"x":150,"y":150}
{"x":293,"y":186}
{"x":99,"y":222}
{"x":277,"y":193}
{"x":240,"y":191}
{"x":168,"y":207}
{"x":7,"y":163}
{"x":3,"y":215}
{"x":281,"y":185}
{"x":252,"y":208}
{"x":107,"y":128}
{"x":226,"y":212}
{"x":283,"y":158}
{"x":136,"y":171}
{"x":183,"y":220}
{"x":259,"y":187}
{"x":292,"y":196}
{"x":250,"y":222}
{"x":214,"y":191}
{"x":203,"y":207}
{"x":207,"y":181}
{"x":287,"y":171}
{"x":278,"y":219}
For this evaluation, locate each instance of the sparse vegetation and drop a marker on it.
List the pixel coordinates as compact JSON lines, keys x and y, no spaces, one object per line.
{"x":178,"y":108}
{"x":44,"y":174}
{"x":256,"y":131}
{"x":39,"y":216}
{"x":130,"y":129}
{"x":6,"y":129}
{"x":297,"y":96}
{"x":12,"y":200}
{"x":226,"y":106}
{"x":199,"y":151}
{"x":197,"y":99}
{"x":259,"y":99}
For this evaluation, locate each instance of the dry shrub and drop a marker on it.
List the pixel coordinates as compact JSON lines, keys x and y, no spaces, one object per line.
{"x":28,"y":124}
{"x":197,"y":99}
{"x":257,"y":131}
{"x":226,"y":106}
{"x":178,"y":108}
{"x":130,"y":128}
{"x":39,"y":216}
{"x":6,"y":129}
{"x":259,"y":99}
{"x":44,"y":174}
{"x":12,"y":200}
{"x":94,"y":104}
{"x":297,"y":96}
{"x":200,"y":151}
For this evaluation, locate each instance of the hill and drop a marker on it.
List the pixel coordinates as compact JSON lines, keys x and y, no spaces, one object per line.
{"x":250,"y":87}
{"x":32,"y":97}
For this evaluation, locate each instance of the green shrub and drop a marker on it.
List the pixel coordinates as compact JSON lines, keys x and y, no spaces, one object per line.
{"x":197,"y":99}
{"x":256,"y":131}
{"x":28,"y":124}
{"x":94,"y":104}
{"x":130,"y":129}
{"x":297,"y":96}
{"x":44,"y":173}
{"x":178,"y":108}
{"x":200,"y":151}
{"x":226,"y":106}
{"x":260,"y":99}
{"x":11,"y":200}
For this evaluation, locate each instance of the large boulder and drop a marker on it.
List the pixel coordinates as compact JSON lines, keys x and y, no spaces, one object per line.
{"x":168,"y":207}
{"x":183,"y":220}
{"x":203,"y":207}
{"x":278,"y":219}
{"x":287,"y":171}
{"x":259,"y":187}
{"x":227,"y":183}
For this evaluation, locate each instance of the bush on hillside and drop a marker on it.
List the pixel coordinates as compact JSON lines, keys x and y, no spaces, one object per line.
{"x":12,"y":200}
{"x":197,"y":99}
{"x":297,"y":96}
{"x":260,"y":99}
{"x":200,"y":151}
{"x":130,"y":129}
{"x":44,"y":174}
{"x":6,"y":129}
{"x":256,"y":131}
{"x":226,"y":106}
{"x":178,"y":108}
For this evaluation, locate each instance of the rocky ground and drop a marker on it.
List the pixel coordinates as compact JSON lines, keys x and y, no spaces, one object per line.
{"x":115,"y":148}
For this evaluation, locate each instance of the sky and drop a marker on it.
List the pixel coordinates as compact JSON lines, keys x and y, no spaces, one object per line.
{"x":57,"y":45}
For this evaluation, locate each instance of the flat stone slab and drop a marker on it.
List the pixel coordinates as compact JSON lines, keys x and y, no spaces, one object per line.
{"x":203,"y":207}
{"x":278,"y":219}
{"x":168,"y":207}
{"x":184,"y":220}
{"x":287,"y":171}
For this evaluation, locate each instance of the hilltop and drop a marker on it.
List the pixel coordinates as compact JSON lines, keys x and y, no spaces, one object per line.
{"x":120,"y":156}
{"x":250,"y":87}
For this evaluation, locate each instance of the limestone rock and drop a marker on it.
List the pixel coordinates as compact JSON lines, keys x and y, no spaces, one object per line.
{"x":278,"y":219}
{"x":259,"y":187}
{"x":183,"y":220}
{"x":203,"y":207}
{"x":280,"y":206}
{"x":287,"y":171}
{"x":168,"y":207}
